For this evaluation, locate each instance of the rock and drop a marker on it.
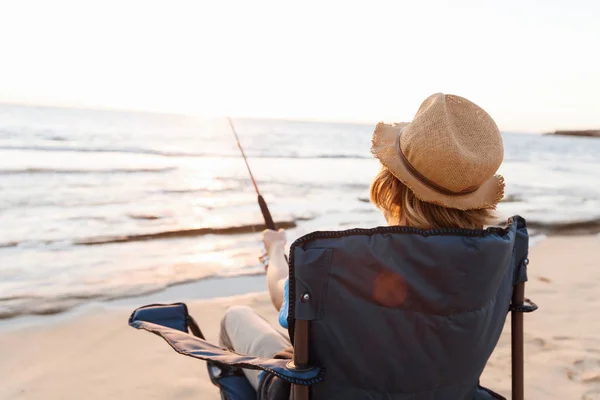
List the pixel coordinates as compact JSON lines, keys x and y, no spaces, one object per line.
{"x":586,"y":133}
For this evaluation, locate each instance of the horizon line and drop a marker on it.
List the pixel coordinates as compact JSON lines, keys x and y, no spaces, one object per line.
{"x":99,"y":108}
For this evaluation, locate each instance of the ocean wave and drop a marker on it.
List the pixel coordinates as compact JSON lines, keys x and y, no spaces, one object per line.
{"x":511,"y":198}
{"x":578,"y":227}
{"x":81,"y":149}
{"x":15,"y":306}
{"x":163,"y":153}
{"x":20,"y":305}
{"x":182,"y":233}
{"x":350,"y":156}
{"x":35,"y":171}
{"x":145,"y":217}
{"x":202,"y":190}
{"x":232,"y":230}
{"x":291,"y":183}
{"x":87,"y":218}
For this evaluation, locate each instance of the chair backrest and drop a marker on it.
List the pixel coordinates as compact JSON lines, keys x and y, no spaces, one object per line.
{"x":403,"y":313}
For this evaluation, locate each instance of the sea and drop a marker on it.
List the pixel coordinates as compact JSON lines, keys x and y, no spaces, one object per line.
{"x":98,"y":205}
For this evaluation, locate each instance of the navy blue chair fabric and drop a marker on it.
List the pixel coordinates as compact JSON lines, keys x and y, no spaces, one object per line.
{"x":174,"y":316}
{"x":231,"y":382}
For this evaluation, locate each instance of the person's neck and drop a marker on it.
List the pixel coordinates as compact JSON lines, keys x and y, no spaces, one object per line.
{"x":403,"y":222}
{"x":393,"y":222}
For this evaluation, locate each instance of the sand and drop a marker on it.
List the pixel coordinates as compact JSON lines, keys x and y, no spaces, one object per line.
{"x":93,"y":354}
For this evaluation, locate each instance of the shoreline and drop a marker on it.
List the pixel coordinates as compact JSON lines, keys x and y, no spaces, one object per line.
{"x":200,"y":288}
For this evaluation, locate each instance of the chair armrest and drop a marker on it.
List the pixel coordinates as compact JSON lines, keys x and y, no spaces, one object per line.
{"x":173,"y":316}
{"x":166,"y":322}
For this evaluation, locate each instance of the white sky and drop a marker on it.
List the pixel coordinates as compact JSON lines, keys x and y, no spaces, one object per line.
{"x":533,"y":65}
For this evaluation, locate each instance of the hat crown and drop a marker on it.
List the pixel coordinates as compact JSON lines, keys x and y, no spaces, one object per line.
{"x":453,"y":143}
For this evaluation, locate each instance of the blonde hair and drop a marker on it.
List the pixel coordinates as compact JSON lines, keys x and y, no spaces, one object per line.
{"x":393,"y":197}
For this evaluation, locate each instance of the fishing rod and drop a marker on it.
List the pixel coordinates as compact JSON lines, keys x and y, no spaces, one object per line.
{"x":261,"y":201}
{"x":301,"y":329}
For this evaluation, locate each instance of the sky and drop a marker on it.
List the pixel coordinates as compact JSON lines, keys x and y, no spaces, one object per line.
{"x":533,"y":65}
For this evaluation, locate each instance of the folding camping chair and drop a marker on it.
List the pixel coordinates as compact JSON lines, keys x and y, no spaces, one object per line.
{"x":383,"y":313}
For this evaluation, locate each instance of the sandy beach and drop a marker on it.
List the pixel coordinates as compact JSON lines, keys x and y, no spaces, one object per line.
{"x":96,"y":355}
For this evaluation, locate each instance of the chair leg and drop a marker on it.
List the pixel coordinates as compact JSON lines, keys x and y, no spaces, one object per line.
{"x":301,"y":360}
{"x":300,"y":392}
{"x":518,"y":299}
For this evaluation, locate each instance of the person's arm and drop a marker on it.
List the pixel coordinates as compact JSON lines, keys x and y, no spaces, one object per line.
{"x":278,"y":269}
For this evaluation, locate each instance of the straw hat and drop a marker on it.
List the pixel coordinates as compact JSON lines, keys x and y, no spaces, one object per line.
{"x":447,"y":155}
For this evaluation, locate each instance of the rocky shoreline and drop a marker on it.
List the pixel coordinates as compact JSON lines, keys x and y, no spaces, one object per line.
{"x":584,"y":133}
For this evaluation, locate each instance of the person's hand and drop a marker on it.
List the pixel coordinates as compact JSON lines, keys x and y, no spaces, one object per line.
{"x":272,"y":239}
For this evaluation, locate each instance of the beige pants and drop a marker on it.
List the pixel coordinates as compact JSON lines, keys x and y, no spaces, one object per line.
{"x":246,"y":332}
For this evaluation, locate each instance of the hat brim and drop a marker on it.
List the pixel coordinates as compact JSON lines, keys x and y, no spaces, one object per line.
{"x":487,"y":196}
